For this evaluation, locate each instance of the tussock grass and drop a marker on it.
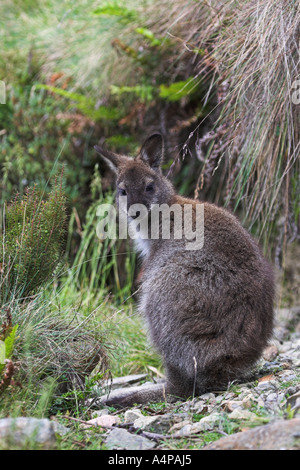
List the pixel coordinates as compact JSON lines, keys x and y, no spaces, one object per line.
{"x":252,"y":56}
{"x":55,"y":340}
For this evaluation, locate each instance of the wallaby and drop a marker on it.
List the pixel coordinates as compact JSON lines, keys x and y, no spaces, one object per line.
{"x":209,"y":311}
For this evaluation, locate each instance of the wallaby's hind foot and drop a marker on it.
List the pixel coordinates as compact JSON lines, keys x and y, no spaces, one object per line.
{"x":140,"y":394}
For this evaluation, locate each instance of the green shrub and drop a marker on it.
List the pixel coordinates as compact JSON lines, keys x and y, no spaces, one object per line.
{"x":37,"y":138}
{"x":7,"y":340}
{"x":31,"y":241}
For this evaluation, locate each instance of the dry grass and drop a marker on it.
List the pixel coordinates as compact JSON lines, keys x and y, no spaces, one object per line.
{"x":252,"y":58}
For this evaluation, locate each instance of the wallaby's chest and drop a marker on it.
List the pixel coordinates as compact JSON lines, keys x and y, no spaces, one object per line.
{"x":142,"y":246}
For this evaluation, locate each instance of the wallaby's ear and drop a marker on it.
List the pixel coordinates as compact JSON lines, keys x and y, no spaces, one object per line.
{"x":111,"y":158}
{"x":152,"y":151}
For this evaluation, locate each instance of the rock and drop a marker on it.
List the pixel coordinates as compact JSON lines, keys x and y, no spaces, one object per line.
{"x":185,"y":431}
{"x":131,"y":415}
{"x":186,"y":428}
{"x":144,"y":422}
{"x":104,"y":420}
{"x":124,"y":395}
{"x":248,"y":400}
{"x":27,"y":433}
{"x":265,"y":385}
{"x":208,"y":397}
{"x":207,"y":423}
{"x":201,"y":407}
{"x":178,"y":428}
{"x":286,"y":375}
{"x":122,"y":439}
{"x":230,"y":405}
{"x":279,"y":435}
{"x":270,"y":353}
{"x":244,"y":415}
{"x":159,"y":424}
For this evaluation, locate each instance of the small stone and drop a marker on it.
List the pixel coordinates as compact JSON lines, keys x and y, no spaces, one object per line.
{"x":267,"y":385}
{"x":286,"y":365}
{"x":178,"y":426}
{"x":159,"y":424}
{"x":104,"y":421}
{"x":230,"y":405}
{"x":131,"y":415}
{"x":200,"y":407}
{"x":286,"y":375}
{"x":186,"y":430}
{"x":207,"y":423}
{"x":122,"y":439}
{"x":244,"y":415}
{"x":270,"y":353}
{"x":208,"y":397}
{"x":144,"y":422}
{"x":248,"y":401}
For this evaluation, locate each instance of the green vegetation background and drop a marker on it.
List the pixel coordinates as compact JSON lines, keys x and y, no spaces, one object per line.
{"x":213,"y":79}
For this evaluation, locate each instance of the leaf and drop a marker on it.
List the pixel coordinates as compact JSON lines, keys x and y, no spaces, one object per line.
{"x":150,"y":36}
{"x":2,"y":356}
{"x":9,"y":342}
{"x":144,"y":92}
{"x":2,"y":352}
{"x":112,"y":9}
{"x":266,"y":378}
{"x":84,"y":104}
{"x":178,"y":90}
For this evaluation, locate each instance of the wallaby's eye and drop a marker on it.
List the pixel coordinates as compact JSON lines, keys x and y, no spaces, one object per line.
{"x":122,"y":191}
{"x":150,"y":187}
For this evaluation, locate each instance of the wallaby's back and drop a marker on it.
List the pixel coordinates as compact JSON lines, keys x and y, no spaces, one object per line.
{"x":209,"y":311}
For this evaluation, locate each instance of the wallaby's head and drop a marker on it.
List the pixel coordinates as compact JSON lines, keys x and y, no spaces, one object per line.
{"x":141,"y":178}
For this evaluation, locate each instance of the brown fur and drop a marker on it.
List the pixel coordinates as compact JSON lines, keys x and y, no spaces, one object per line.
{"x":209,"y":312}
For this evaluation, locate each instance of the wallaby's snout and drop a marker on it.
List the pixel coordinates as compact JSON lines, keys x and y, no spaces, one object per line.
{"x":140,"y":179}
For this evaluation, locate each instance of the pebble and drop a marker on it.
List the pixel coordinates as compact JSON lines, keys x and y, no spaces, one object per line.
{"x":104,"y":420}
{"x":159,"y":424}
{"x":208,"y":422}
{"x":131,"y":415}
{"x":122,"y":439}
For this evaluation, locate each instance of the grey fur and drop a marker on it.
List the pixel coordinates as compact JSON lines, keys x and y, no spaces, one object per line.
{"x":209,"y":312}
